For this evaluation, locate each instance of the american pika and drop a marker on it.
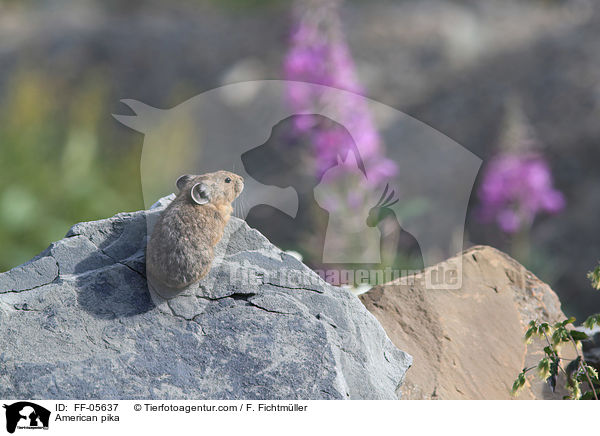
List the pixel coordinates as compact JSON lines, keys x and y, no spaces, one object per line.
{"x":180,"y":250}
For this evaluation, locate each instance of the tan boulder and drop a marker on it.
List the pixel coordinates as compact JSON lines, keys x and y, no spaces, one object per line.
{"x":468,"y":343}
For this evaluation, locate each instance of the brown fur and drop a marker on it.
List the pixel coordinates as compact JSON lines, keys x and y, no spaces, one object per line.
{"x":180,"y":250}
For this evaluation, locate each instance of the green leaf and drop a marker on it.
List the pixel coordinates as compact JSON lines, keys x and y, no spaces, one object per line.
{"x":543,"y":368}
{"x":591,"y":321}
{"x":552,"y":382}
{"x":570,"y":320}
{"x":577,"y":335}
{"x":560,"y":335}
{"x":528,"y":334}
{"x":518,"y":384}
{"x":593,"y":374}
{"x":573,"y":366}
{"x":544,"y":328}
{"x":553,"y":373}
{"x":594,"y":277}
{"x":574,"y":387}
{"x":589,"y":395}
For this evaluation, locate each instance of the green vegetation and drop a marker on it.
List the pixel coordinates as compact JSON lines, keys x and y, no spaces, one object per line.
{"x":582,"y":379}
{"x":60,"y":162}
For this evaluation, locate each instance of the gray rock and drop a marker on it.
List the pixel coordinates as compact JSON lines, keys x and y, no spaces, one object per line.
{"x":78,"y":322}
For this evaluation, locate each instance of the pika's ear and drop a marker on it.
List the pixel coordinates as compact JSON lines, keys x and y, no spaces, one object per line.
{"x":199,"y":193}
{"x":182,"y":180}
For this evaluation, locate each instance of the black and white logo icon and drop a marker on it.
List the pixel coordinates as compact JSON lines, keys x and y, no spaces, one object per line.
{"x":26,"y":415}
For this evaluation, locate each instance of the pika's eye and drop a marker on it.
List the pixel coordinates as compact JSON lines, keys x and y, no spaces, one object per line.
{"x":227,"y":180}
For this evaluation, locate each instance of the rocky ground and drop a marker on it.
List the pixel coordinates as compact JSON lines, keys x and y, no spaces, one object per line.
{"x":78,"y":322}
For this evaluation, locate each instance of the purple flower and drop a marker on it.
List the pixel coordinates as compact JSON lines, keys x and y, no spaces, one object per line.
{"x":319,"y":54}
{"x":515,"y":189}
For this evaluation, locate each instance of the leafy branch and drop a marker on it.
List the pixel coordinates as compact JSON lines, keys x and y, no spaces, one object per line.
{"x":577,"y":371}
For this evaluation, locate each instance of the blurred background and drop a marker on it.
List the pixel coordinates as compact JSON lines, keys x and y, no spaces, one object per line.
{"x":517,"y":82}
